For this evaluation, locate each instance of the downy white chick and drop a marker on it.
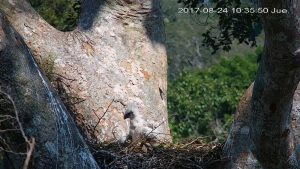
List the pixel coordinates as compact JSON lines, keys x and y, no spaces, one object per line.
{"x":139,"y":128}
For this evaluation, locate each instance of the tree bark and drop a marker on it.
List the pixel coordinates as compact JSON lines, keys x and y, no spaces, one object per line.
{"x":117,"y":54}
{"x":42,"y":115}
{"x":262,"y":135}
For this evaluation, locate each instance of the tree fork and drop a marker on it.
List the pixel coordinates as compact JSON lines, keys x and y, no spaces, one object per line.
{"x":116,"y":53}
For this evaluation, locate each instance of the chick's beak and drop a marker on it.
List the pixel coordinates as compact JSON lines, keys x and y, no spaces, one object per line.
{"x":126,"y":115}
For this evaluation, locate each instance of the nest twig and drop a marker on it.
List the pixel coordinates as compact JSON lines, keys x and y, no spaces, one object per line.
{"x":195,"y":154}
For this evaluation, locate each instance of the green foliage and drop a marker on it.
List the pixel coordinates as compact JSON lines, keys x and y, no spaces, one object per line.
{"x":62,"y":14}
{"x":202,"y":102}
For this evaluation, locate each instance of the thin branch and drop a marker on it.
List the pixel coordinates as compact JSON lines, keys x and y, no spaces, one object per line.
{"x":29,"y":153}
{"x":99,"y":119}
{"x":31,"y":142}
{"x":6,"y":130}
{"x":5,"y":118}
{"x":64,"y":77}
{"x":156,"y":127}
{"x":17,"y":117}
{"x":10,"y":151}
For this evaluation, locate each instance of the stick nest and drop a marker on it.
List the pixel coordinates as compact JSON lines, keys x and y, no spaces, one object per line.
{"x":195,"y":154}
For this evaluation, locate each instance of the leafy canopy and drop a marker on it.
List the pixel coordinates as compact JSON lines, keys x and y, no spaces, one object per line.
{"x":202,"y":102}
{"x":62,"y":14}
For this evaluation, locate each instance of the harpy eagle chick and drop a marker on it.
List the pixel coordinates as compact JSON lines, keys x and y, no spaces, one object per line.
{"x":139,"y":128}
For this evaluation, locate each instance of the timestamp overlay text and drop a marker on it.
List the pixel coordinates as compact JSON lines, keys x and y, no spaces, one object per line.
{"x":232,"y":10}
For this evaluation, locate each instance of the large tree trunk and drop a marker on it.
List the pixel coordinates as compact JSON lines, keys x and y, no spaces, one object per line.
{"x":38,"y":108}
{"x":262,"y":135}
{"x":116,"y":55}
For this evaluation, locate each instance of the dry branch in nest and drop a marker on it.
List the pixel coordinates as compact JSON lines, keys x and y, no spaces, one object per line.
{"x":14,"y":122}
{"x":142,"y":155}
